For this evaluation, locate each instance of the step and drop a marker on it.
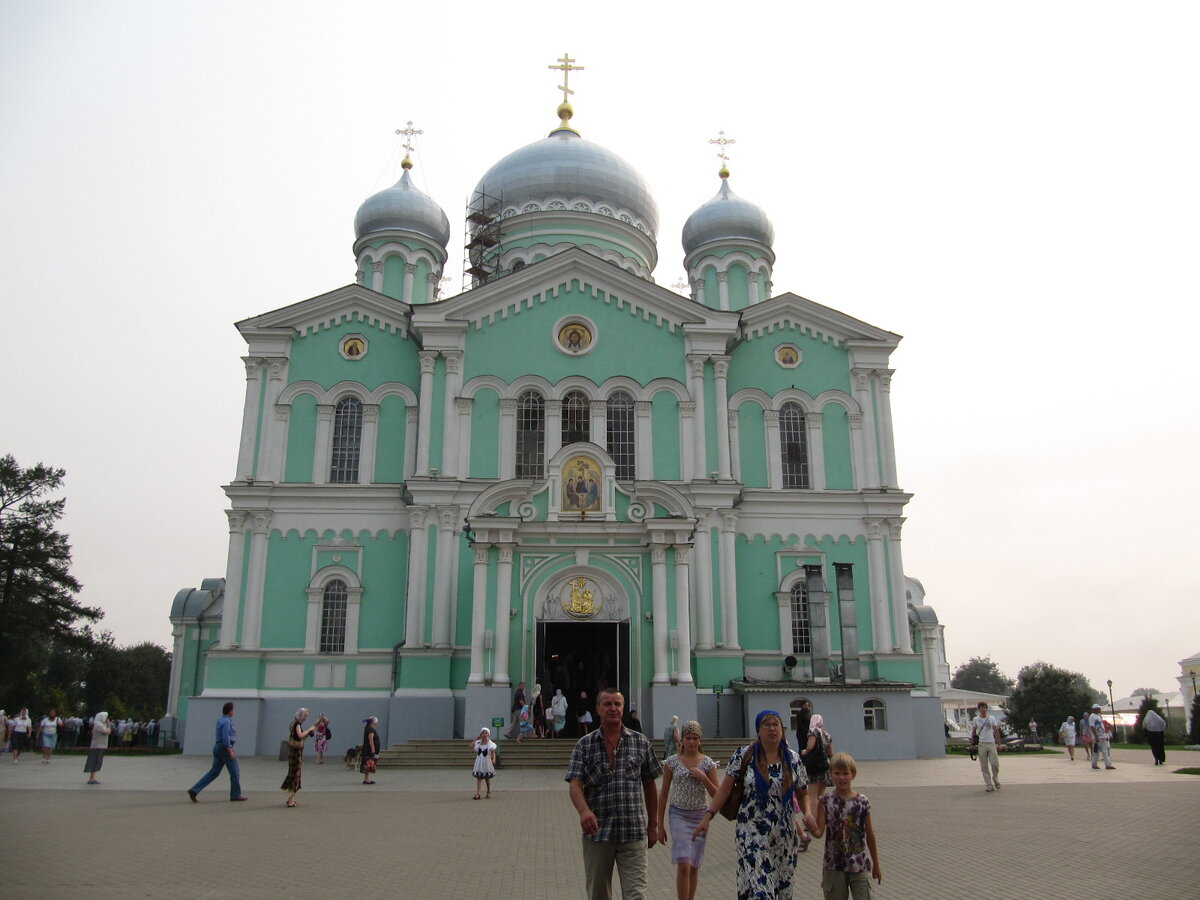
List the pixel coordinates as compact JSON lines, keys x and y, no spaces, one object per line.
{"x":528,"y":754}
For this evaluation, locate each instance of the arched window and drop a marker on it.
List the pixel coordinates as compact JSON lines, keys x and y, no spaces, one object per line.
{"x":347,"y":441}
{"x":333,"y":617}
{"x":518,"y":265}
{"x":531,"y":435}
{"x":793,"y":446}
{"x":622,"y":439}
{"x":576,"y":418}
{"x":801,"y":633}
{"x":874,"y":716}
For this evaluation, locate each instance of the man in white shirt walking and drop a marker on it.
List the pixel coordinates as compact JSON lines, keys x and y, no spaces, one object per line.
{"x":1100,"y":745}
{"x":985,"y":735}
{"x":1155,"y":727}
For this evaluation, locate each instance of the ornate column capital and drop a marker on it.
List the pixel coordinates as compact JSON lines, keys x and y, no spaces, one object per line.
{"x":885,"y":379}
{"x":552,"y":407}
{"x":658,"y":556}
{"x":695,"y":362}
{"x":754,"y":277}
{"x":325,"y":412}
{"x":448,"y":518}
{"x":722,"y":277}
{"x":428,"y":361}
{"x":813,"y":419}
{"x":237,"y":520}
{"x":895,"y":526}
{"x":482,"y":554}
{"x":262,"y":521}
{"x":276,"y":368}
{"x":411,"y":414}
{"x":416,"y":518}
{"x":683,"y":554}
{"x":687,"y":408}
{"x":254,"y":365}
{"x":453,"y":361}
{"x":377,"y":267}
{"x":771,"y":416}
{"x":507,"y":405}
{"x":729,"y":520}
{"x":642,"y":407}
{"x":410,"y":268}
{"x":506,"y":553}
{"x":855,"y":419}
{"x":370,"y":412}
{"x":874,"y":528}
{"x":283,"y":412}
{"x":463,"y":404}
{"x":721,"y":366}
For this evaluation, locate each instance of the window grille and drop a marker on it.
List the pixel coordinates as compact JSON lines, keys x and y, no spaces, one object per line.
{"x":347,"y":441}
{"x":531,"y":435}
{"x":874,"y":716}
{"x":576,"y":418}
{"x":801,"y":632}
{"x":793,"y":446}
{"x":621,"y":433}
{"x":333,"y":617}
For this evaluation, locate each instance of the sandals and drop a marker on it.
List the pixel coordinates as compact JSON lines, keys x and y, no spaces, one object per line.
{"x":805,"y":840}
{"x":476,"y":797}
{"x":292,"y":803}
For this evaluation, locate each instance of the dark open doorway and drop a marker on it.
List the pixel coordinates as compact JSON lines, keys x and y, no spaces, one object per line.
{"x":582,"y":656}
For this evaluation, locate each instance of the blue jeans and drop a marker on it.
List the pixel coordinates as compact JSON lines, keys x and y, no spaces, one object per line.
{"x":221,"y":759}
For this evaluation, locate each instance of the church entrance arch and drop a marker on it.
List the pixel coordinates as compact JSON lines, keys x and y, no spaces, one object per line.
{"x":582,"y":641}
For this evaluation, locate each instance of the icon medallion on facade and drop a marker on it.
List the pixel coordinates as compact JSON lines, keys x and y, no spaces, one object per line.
{"x":788,"y":356}
{"x":581,"y":602}
{"x":575,"y":336}
{"x":581,"y":480}
{"x":354,"y":346}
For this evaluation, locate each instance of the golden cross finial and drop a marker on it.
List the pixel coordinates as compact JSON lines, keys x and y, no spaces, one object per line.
{"x":680,"y":285}
{"x":566,"y":68}
{"x":723,"y":142}
{"x":408,"y":131}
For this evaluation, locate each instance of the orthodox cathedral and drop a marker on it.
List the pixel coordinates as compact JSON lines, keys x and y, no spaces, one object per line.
{"x":566,"y":475}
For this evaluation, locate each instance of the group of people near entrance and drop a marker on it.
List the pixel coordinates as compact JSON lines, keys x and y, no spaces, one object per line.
{"x":613,"y":778}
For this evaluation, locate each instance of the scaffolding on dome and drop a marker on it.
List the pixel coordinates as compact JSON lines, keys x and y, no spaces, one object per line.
{"x":481,"y":254}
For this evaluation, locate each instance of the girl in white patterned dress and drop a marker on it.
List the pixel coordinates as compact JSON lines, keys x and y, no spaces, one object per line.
{"x":689,"y":780}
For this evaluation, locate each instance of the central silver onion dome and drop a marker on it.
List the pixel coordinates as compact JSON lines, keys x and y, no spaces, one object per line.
{"x":565,"y":169}
{"x":403,"y":207}
{"x":727,"y":217}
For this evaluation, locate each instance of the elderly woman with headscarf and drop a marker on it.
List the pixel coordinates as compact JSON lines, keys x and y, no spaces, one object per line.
{"x":767,"y":839}
{"x":817,"y":753}
{"x":95,"y":757}
{"x":1067,"y":732}
{"x":484,"y":768}
{"x":297,"y":734}
{"x":689,"y":780}
{"x":370,"y":749}
{"x":671,"y":737}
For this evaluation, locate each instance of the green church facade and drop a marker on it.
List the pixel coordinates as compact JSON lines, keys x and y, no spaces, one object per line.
{"x":565,"y":475}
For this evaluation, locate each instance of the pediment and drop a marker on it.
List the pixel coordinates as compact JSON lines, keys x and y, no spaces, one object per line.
{"x":793,"y":311}
{"x":573,"y":271}
{"x":354,"y":302}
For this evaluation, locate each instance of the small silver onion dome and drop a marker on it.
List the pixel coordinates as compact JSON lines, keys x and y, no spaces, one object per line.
{"x":404,"y":207}
{"x":727,"y":217}
{"x":565,"y":167}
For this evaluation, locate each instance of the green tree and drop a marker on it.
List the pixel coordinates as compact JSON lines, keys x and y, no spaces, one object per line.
{"x":1046,"y":694}
{"x":980,"y":673}
{"x":136,"y":678}
{"x":38,"y":609}
{"x":1194,"y":732}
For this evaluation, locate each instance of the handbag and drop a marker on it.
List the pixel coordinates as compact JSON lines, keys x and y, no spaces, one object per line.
{"x":369,"y":765}
{"x":729,"y":809}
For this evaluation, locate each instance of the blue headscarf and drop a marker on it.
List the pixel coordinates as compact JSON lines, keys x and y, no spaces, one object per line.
{"x":761,"y":784}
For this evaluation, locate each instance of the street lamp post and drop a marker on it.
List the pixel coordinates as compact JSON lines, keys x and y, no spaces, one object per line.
{"x":1112,"y":707}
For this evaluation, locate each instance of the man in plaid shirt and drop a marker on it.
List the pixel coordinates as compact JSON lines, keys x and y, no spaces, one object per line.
{"x":612,"y":775}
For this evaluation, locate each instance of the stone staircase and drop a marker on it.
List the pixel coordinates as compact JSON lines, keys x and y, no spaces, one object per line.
{"x":529,"y":754}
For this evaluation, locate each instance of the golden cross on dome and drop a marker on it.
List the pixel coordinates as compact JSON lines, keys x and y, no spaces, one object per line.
{"x":723,"y":142}
{"x":566,"y":68}
{"x":408,"y":131}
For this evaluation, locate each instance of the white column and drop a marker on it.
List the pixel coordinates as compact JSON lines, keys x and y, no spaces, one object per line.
{"x":702,"y":543}
{"x":553,"y":410}
{"x":283,"y":417}
{"x":508,"y":439}
{"x":479,"y":615}
{"x":418,"y":564}
{"x":462,"y":408}
{"x":504,"y":566}
{"x":658,"y":567}
{"x":179,"y":633}
{"x":754,"y":276}
{"x":450,"y":413}
{"x":312,"y":619}
{"x":816,"y":451}
{"x":723,"y":288}
{"x":412,"y":419}
{"x":862,"y":393}
{"x":856,"y":449}
{"x":274,"y":444}
{"x":252,"y":623}
{"x":683,"y":615}
{"x":695,"y":366}
{"x":250,"y":414}
{"x":443,"y":579}
{"x":899,"y":598}
{"x":783,"y":600}
{"x":431,"y":287}
{"x":233,"y":577}
{"x":735,"y":447}
{"x":729,"y":579}
{"x":687,"y":440}
{"x":721,"y":391}
{"x":324,"y":444}
{"x":698,"y":290}
{"x":643,"y":464}
{"x":353,"y":608}
{"x":377,"y":277}
{"x":370,"y":443}
{"x":774,"y":459}
{"x":407,"y":293}
{"x":886,"y":438}
{"x":599,"y":423}
{"x":425,"y":407}
{"x":881,"y":627}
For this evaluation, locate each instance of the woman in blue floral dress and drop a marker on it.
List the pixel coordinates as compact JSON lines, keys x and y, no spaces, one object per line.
{"x":767,"y":839}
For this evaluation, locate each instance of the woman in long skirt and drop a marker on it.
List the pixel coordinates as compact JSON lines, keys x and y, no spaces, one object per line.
{"x":296,"y":737}
{"x":95,"y":757}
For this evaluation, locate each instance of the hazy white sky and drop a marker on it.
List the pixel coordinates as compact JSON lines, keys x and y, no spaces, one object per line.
{"x":1013,"y":188}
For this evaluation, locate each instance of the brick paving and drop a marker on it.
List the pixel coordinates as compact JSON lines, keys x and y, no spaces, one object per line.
{"x":1055,"y":830}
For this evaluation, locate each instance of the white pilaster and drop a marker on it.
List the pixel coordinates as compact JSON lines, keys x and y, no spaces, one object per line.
{"x":683,"y":615}
{"x":702,"y":543}
{"x":425,"y":406}
{"x":816,"y":451}
{"x":877,"y":572}
{"x":252,"y":623}
{"x":323,"y":448}
{"x":233,"y":577}
{"x":462,"y":408}
{"x":774,"y":457}
{"x":553,"y":409}
{"x":695,"y":364}
{"x":698,"y":290}
{"x":312,"y":619}
{"x":508,"y":439}
{"x":377,"y":277}
{"x":418,"y":565}
{"x":687,"y":440}
{"x":450,"y":413}
{"x":721,"y":391}
{"x":887,"y":439}
{"x":729,"y":579}
{"x":443,"y":580}
{"x":274,"y":440}
{"x":504,"y":567}
{"x":406,"y":294}
{"x":370,"y":443}
{"x":599,"y":422}
{"x":658,"y":568}
{"x":735,"y":447}
{"x":754,"y":276}
{"x":856,"y":449}
{"x":862,"y":393}
{"x":903,"y":640}
{"x":644,"y":462}
{"x":479,"y":615}
{"x":412,"y":417}
{"x":723,"y":289}
{"x":250,"y":412}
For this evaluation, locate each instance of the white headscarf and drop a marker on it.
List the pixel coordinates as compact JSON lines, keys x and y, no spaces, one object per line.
{"x":484,"y":741}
